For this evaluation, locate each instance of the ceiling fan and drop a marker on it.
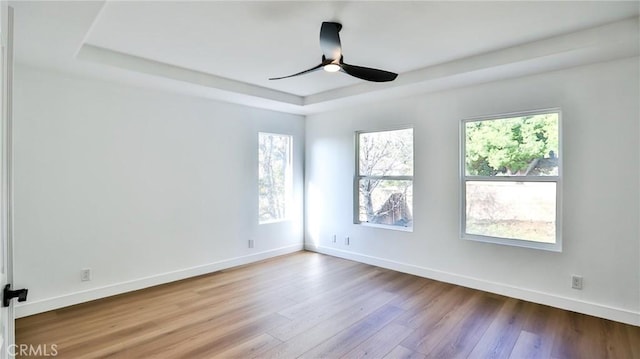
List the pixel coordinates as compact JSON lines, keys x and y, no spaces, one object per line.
{"x":332,"y":59}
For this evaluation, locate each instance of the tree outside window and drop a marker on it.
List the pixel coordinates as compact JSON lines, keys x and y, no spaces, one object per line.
{"x":385,"y":178}
{"x":511,"y":179}
{"x":274,"y":176}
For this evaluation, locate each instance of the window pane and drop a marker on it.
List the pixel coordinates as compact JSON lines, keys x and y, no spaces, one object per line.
{"x":386,"y":202}
{"x":517,"y":210}
{"x":519,"y":146}
{"x":387,"y":153}
{"x":274,"y":176}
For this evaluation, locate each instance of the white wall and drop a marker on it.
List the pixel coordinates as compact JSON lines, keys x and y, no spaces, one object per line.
{"x":601,"y":190}
{"x":146,"y":187}
{"x":142,"y":187}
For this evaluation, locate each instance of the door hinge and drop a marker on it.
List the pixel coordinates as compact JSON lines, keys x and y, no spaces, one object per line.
{"x":9,"y":294}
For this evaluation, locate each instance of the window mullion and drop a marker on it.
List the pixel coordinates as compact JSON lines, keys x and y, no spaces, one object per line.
{"x":512,"y":178}
{"x":388,"y":178}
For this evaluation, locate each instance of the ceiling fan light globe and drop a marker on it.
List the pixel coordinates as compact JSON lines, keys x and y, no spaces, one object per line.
{"x":332,"y":68}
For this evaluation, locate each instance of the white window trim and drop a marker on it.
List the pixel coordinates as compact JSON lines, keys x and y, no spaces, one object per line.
{"x":554,"y":247}
{"x":357,"y":177}
{"x":288,"y":186}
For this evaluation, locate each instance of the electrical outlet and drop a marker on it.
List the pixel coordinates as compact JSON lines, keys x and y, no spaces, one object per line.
{"x":251,"y":243}
{"x":576,"y":282}
{"x":334,"y":238}
{"x":85,"y":275}
{"x":346,"y":240}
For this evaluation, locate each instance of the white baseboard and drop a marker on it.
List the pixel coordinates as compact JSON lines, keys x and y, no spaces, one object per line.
{"x":30,"y":308}
{"x":594,"y":309}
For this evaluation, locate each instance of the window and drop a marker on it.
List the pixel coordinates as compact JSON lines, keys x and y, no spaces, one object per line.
{"x":511,"y":176}
{"x":384,"y":179}
{"x":274,"y":177}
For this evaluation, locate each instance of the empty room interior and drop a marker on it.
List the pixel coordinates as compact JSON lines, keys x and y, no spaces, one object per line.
{"x":385,"y":179}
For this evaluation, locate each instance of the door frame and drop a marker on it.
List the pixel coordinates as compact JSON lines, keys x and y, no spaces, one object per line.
{"x":7,"y":314}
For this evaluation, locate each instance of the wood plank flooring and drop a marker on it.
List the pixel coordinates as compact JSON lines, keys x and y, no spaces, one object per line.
{"x":314,"y":306}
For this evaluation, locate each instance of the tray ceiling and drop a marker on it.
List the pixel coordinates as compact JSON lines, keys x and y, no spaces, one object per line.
{"x":232,"y":48}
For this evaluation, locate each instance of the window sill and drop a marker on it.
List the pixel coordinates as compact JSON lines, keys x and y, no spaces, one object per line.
{"x":552,"y":247}
{"x":386,"y":226}
{"x":275,"y":221}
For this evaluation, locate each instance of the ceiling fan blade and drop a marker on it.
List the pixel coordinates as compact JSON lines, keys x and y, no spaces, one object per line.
{"x":330,"y":40}
{"x":369,"y":74}
{"x":301,"y":72}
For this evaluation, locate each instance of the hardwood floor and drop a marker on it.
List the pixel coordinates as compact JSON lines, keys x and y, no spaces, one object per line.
{"x":310,"y":305}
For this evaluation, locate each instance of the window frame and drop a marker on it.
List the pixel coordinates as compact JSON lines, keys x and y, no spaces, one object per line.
{"x":357,"y":177}
{"x":554,"y":247}
{"x":288,"y":180}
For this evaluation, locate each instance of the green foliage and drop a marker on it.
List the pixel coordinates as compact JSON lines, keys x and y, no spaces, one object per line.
{"x":510,"y":146}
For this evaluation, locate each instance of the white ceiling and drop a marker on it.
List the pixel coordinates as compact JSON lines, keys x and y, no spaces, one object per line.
{"x":228,"y":50}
